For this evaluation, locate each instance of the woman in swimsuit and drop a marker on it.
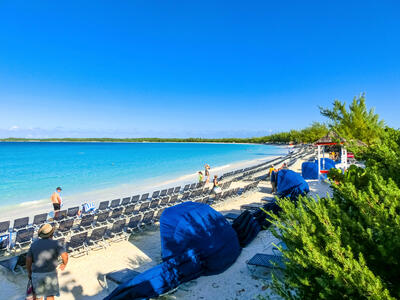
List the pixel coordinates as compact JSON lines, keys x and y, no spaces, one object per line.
{"x":216,"y":189}
{"x":207,"y":172}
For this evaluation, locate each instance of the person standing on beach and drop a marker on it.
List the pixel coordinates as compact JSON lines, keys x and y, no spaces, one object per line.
{"x":207,"y":172}
{"x":56,"y":199}
{"x":272,"y":178}
{"x":42,"y":262}
{"x":216,"y":188}
{"x":271,"y":170}
{"x":284,"y":166}
{"x":200,"y":177}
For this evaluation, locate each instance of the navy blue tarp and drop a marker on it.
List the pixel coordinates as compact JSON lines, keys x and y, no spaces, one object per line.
{"x":160,"y":279}
{"x":291,"y":184}
{"x":195,"y":240}
{"x":197,"y":226}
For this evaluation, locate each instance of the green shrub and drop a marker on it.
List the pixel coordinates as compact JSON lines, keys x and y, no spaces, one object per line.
{"x":347,"y":246}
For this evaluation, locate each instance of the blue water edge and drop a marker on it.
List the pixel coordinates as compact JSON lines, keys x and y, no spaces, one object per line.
{"x":31,"y":170}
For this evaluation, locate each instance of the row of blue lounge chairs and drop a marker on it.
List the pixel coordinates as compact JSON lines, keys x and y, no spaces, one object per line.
{"x":120,"y":216}
{"x":242,"y":174}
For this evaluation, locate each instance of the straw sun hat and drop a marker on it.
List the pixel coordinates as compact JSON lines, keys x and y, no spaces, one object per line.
{"x":45,"y":231}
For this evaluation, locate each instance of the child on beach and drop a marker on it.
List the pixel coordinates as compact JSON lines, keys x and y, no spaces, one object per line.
{"x":200,"y":177}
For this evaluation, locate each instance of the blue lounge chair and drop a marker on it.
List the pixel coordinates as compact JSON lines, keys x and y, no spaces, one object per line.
{"x":116,"y":233}
{"x":125,"y":201}
{"x":4,"y":226}
{"x":115,"y":214}
{"x":86,"y":222}
{"x":23,"y":239}
{"x":96,"y":239}
{"x":177,"y":190}
{"x":20,"y":223}
{"x":163,"y":202}
{"x":135,"y":199}
{"x":205,"y":199}
{"x":265,"y":263}
{"x":185,"y":196}
{"x":144,"y":207}
{"x":158,"y":214}
{"x":129,"y":210}
{"x":76,"y":245}
{"x":102,"y":218}
{"x":120,"y":276}
{"x":64,"y":227}
{"x":4,"y":244}
{"x":148,"y":218}
{"x":154,"y":203}
{"x":144,"y":197}
{"x":163,"y":193}
{"x":60,"y":215}
{"x":72,"y":212}
{"x":103,"y":205}
{"x":39,"y":220}
{"x":155,"y":195}
{"x":134,"y":223}
{"x":115,"y":203}
{"x":173,"y":200}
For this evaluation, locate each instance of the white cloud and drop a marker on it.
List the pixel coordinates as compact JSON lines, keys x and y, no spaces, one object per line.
{"x":13,"y":128}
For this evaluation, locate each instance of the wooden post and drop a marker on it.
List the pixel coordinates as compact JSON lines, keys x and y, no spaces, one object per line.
{"x":319,"y":161}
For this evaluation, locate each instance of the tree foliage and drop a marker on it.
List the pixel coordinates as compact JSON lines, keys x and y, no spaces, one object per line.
{"x":307,"y":135}
{"x":347,"y":246}
{"x":354,"y":124}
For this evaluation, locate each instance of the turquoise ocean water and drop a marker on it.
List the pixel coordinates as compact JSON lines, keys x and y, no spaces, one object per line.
{"x":31,"y":171}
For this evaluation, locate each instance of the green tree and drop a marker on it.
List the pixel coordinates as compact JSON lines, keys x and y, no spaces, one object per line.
{"x":354,"y":124}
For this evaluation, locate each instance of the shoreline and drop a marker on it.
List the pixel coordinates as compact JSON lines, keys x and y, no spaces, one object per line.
{"x":122,"y":190}
{"x":148,"y":142}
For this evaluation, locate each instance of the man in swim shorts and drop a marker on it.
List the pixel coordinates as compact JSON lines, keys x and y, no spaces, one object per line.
{"x":56,"y":199}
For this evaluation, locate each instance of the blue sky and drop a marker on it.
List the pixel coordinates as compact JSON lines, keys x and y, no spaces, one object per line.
{"x":186,"y":68}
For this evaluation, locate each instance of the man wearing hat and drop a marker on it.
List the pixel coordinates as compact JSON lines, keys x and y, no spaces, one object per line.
{"x":42,"y":262}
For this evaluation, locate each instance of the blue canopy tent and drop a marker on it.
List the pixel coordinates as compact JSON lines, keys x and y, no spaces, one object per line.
{"x":326,"y":163}
{"x":291,"y":184}
{"x":195,"y":240}
{"x":309,"y":170}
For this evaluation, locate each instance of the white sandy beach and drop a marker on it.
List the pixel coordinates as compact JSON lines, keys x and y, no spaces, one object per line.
{"x":83,"y":277}
{"x":32,"y":208}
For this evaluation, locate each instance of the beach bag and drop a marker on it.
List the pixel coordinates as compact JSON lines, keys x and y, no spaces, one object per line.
{"x":246,"y":228}
{"x":217,"y":190}
{"x":262,"y":218}
{"x":29,"y":291}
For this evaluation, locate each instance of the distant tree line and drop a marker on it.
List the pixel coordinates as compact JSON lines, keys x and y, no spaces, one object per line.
{"x":306,"y":135}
